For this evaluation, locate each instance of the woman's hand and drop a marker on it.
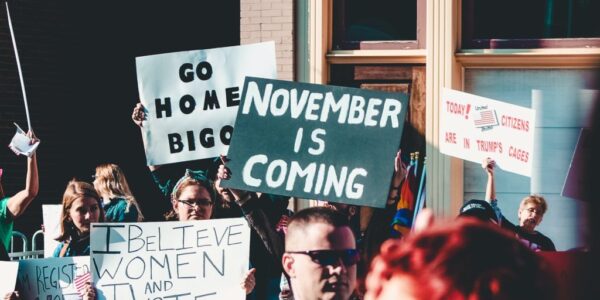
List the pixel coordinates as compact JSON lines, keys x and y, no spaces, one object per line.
{"x":89,"y":291}
{"x":12,"y":296}
{"x":249,"y":281}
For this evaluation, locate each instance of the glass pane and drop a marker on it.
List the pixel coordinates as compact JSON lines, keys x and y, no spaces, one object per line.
{"x":375,"y":20}
{"x":532,"y":19}
{"x":563,"y":100}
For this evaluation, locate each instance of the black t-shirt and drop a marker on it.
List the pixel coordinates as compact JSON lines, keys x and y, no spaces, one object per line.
{"x":536,"y":241}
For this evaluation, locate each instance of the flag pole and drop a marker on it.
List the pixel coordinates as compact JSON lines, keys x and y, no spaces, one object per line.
{"x":12,"y":35}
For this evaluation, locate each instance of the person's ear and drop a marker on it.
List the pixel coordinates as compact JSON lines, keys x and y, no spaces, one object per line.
{"x":288,"y":264}
{"x":175,"y":204}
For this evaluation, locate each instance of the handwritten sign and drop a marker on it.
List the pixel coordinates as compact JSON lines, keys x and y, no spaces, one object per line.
{"x":9,"y":276}
{"x":192,"y":97}
{"x":170,"y":260}
{"x":315,"y":141}
{"x":473,"y":128}
{"x":51,"y":278}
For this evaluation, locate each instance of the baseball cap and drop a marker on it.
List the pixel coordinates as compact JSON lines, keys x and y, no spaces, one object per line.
{"x":479,"y":209}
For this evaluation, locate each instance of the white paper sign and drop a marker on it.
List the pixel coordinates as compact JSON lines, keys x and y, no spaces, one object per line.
{"x":192,"y":97}
{"x":51,"y":278}
{"x":21,"y":143}
{"x":170,"y":260}
{"x":473,"y":128}
{"x":51,"y":215}
{"x":9,"y":276}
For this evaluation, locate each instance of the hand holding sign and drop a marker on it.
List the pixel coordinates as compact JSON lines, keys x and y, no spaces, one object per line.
{"x":139,"y":115}
{"x":24,"y":143}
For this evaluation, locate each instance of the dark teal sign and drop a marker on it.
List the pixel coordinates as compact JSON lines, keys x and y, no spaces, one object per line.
{"x":315,"y":141}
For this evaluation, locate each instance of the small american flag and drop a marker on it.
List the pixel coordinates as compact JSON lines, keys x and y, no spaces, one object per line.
{"x":486,"y":118}
{"x":80,"y":282}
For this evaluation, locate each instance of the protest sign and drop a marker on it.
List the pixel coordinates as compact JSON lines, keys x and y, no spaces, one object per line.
{"x":9,"y":276}
{"x":51,"y":214}
{"x":317,"y":142}
{"x":51,"y":278}
{"x":170,"y":260}
{"x":191,"y":98}
{"x":473,"y":128}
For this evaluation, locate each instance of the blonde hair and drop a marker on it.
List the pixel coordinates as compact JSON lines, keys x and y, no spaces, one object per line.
{"x":75,"y":190}
{"x":537,"y":200}
{"x":110,"y":181}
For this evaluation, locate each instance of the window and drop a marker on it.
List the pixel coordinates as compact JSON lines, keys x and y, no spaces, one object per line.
{"x":378,"y":24}
{"x":563,"y":100}
{"x":530,"y":24}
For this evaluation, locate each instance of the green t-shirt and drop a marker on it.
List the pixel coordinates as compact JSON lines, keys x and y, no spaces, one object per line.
{"x":6,"y":223}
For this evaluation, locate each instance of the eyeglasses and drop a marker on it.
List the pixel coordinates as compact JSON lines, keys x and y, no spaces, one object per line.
{"x":196,"y":202}
{"x":332,"y":257}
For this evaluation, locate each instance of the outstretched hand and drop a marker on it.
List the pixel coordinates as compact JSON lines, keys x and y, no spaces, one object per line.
{"x":399,"y":170}
{"x":32,"y":138}
{"x":223,"y":173}
{"x":138,"y":115}
{"x":488,"y":165}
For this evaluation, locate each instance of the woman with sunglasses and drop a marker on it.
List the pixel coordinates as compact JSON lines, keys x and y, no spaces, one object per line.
{"x":81,"y":206}
{"x":118,"y":202}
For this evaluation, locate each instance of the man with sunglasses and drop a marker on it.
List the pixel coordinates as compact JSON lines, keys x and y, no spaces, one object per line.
{"x":320,"y":255}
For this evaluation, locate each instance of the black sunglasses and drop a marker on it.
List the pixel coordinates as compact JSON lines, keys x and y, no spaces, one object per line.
{"x":198,"y":202}
{"x":332,"y":257}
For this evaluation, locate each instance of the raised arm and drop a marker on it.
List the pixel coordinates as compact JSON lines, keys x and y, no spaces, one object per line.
{"x":19,"y":202}
{"x":255,"y":212}
{"x":488,"y":165}
{"x":1,"y":190}
{"x":399,"y":176}
{"x":139,"y":116}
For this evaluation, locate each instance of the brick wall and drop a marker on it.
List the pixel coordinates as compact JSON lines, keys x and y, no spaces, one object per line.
{"x":270,"y":20}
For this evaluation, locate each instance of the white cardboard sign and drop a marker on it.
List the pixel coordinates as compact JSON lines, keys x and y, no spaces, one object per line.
{"x":473,"y":128}
{"x":51,"y":214}
{"x":170,"y":260}
{"x":191,"y":98}
{"x":51,"y":278}
{"x":9,"y":275}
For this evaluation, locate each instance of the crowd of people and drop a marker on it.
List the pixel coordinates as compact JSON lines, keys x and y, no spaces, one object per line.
{"x":321,"y":252}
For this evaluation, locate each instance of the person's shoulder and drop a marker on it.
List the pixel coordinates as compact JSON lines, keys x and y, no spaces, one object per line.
{"x":57,"y":250}
{"x":5,"y":216}
{"x":545,"y":241}
{"x":117,"y":203}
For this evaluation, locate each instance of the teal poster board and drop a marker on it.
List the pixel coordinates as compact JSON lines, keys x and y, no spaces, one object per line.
{"x":315,"y":141}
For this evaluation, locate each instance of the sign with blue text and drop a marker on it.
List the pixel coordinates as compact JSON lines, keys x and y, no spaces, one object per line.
{"x":170,"y":260}
{"x":316,"y":142}
{"x":53,"y":278}
{"x":191,"y":98}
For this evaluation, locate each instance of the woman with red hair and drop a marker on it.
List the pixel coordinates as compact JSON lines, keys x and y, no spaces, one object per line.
{"x":466,"y":259}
